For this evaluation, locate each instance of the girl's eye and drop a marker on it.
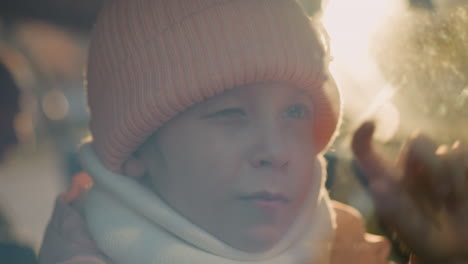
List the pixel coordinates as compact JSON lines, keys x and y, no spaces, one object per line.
{"x":229,"y":113}
{"x":298,"y":111}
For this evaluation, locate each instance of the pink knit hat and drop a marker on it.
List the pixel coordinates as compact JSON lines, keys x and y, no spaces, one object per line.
{"x":151,"y":59}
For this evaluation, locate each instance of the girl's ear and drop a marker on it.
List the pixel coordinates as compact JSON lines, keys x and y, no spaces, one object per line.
{"x":134,"y":167}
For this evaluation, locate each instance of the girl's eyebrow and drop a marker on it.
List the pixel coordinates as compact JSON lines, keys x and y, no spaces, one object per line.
{"x":223,"y":101}
{"x":227,"y":110}
{"x":302,"y":96}
{"x":322,"y":79}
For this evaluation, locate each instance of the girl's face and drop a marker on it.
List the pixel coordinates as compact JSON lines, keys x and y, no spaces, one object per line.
{"x":238,"y":165}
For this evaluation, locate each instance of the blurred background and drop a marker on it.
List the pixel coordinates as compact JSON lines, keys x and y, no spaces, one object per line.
{"x":402,"y":63}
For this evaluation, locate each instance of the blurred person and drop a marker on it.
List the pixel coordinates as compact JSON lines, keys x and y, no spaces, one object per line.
{"x":209,"y":120}
{"x":10,"y":250}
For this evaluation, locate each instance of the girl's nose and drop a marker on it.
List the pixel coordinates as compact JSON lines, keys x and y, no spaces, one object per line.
{"x":271,"y":160}
{"x":270,"y":150}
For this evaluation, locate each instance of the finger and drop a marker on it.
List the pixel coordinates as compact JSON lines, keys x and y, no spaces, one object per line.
{"x":457,"y":161}
{"x":416,"y":159}
{"x":382,"y":182}
{"x":464,"y":149}
{"x":403,"y":154}
{"x":451,"y":174}
{"x":420,"y":159}
{"x":424,"y":173}
{"x":414,"y":260}
{"x":372,"y":164}
{"x":361,"y":143}
{"x":409,"y":159}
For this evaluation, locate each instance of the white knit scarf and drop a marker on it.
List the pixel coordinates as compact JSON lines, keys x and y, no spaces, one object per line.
{"x":132,"y":225}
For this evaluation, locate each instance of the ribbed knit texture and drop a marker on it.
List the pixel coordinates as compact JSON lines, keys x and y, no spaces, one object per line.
{"x":152,"y":59}
{"x":131,"y":224}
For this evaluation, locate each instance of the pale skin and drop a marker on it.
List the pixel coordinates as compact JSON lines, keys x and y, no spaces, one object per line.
{"x":251,"y":139}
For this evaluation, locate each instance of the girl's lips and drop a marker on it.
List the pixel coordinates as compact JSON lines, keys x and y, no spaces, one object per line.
{"x":266,"y":200}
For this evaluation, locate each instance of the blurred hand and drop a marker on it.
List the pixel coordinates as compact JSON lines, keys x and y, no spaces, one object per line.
{"x":423,"y":197}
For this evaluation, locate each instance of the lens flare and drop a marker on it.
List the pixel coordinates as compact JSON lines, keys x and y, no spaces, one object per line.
{"x":351,"y":26}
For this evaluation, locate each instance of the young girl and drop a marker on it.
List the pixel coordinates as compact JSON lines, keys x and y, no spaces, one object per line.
{"x":208,"y":120}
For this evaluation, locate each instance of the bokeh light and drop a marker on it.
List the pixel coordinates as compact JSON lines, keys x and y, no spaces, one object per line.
{"x":55,"y":105}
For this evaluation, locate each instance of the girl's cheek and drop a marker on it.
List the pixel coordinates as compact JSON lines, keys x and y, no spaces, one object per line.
{"x":302,"y":135}
{"x":300,"y":126}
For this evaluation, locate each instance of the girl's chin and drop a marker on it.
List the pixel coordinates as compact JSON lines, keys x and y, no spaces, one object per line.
{"x":261,"y":239}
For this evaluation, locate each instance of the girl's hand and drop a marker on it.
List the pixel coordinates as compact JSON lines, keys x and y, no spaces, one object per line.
{"x":423,"y":198}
